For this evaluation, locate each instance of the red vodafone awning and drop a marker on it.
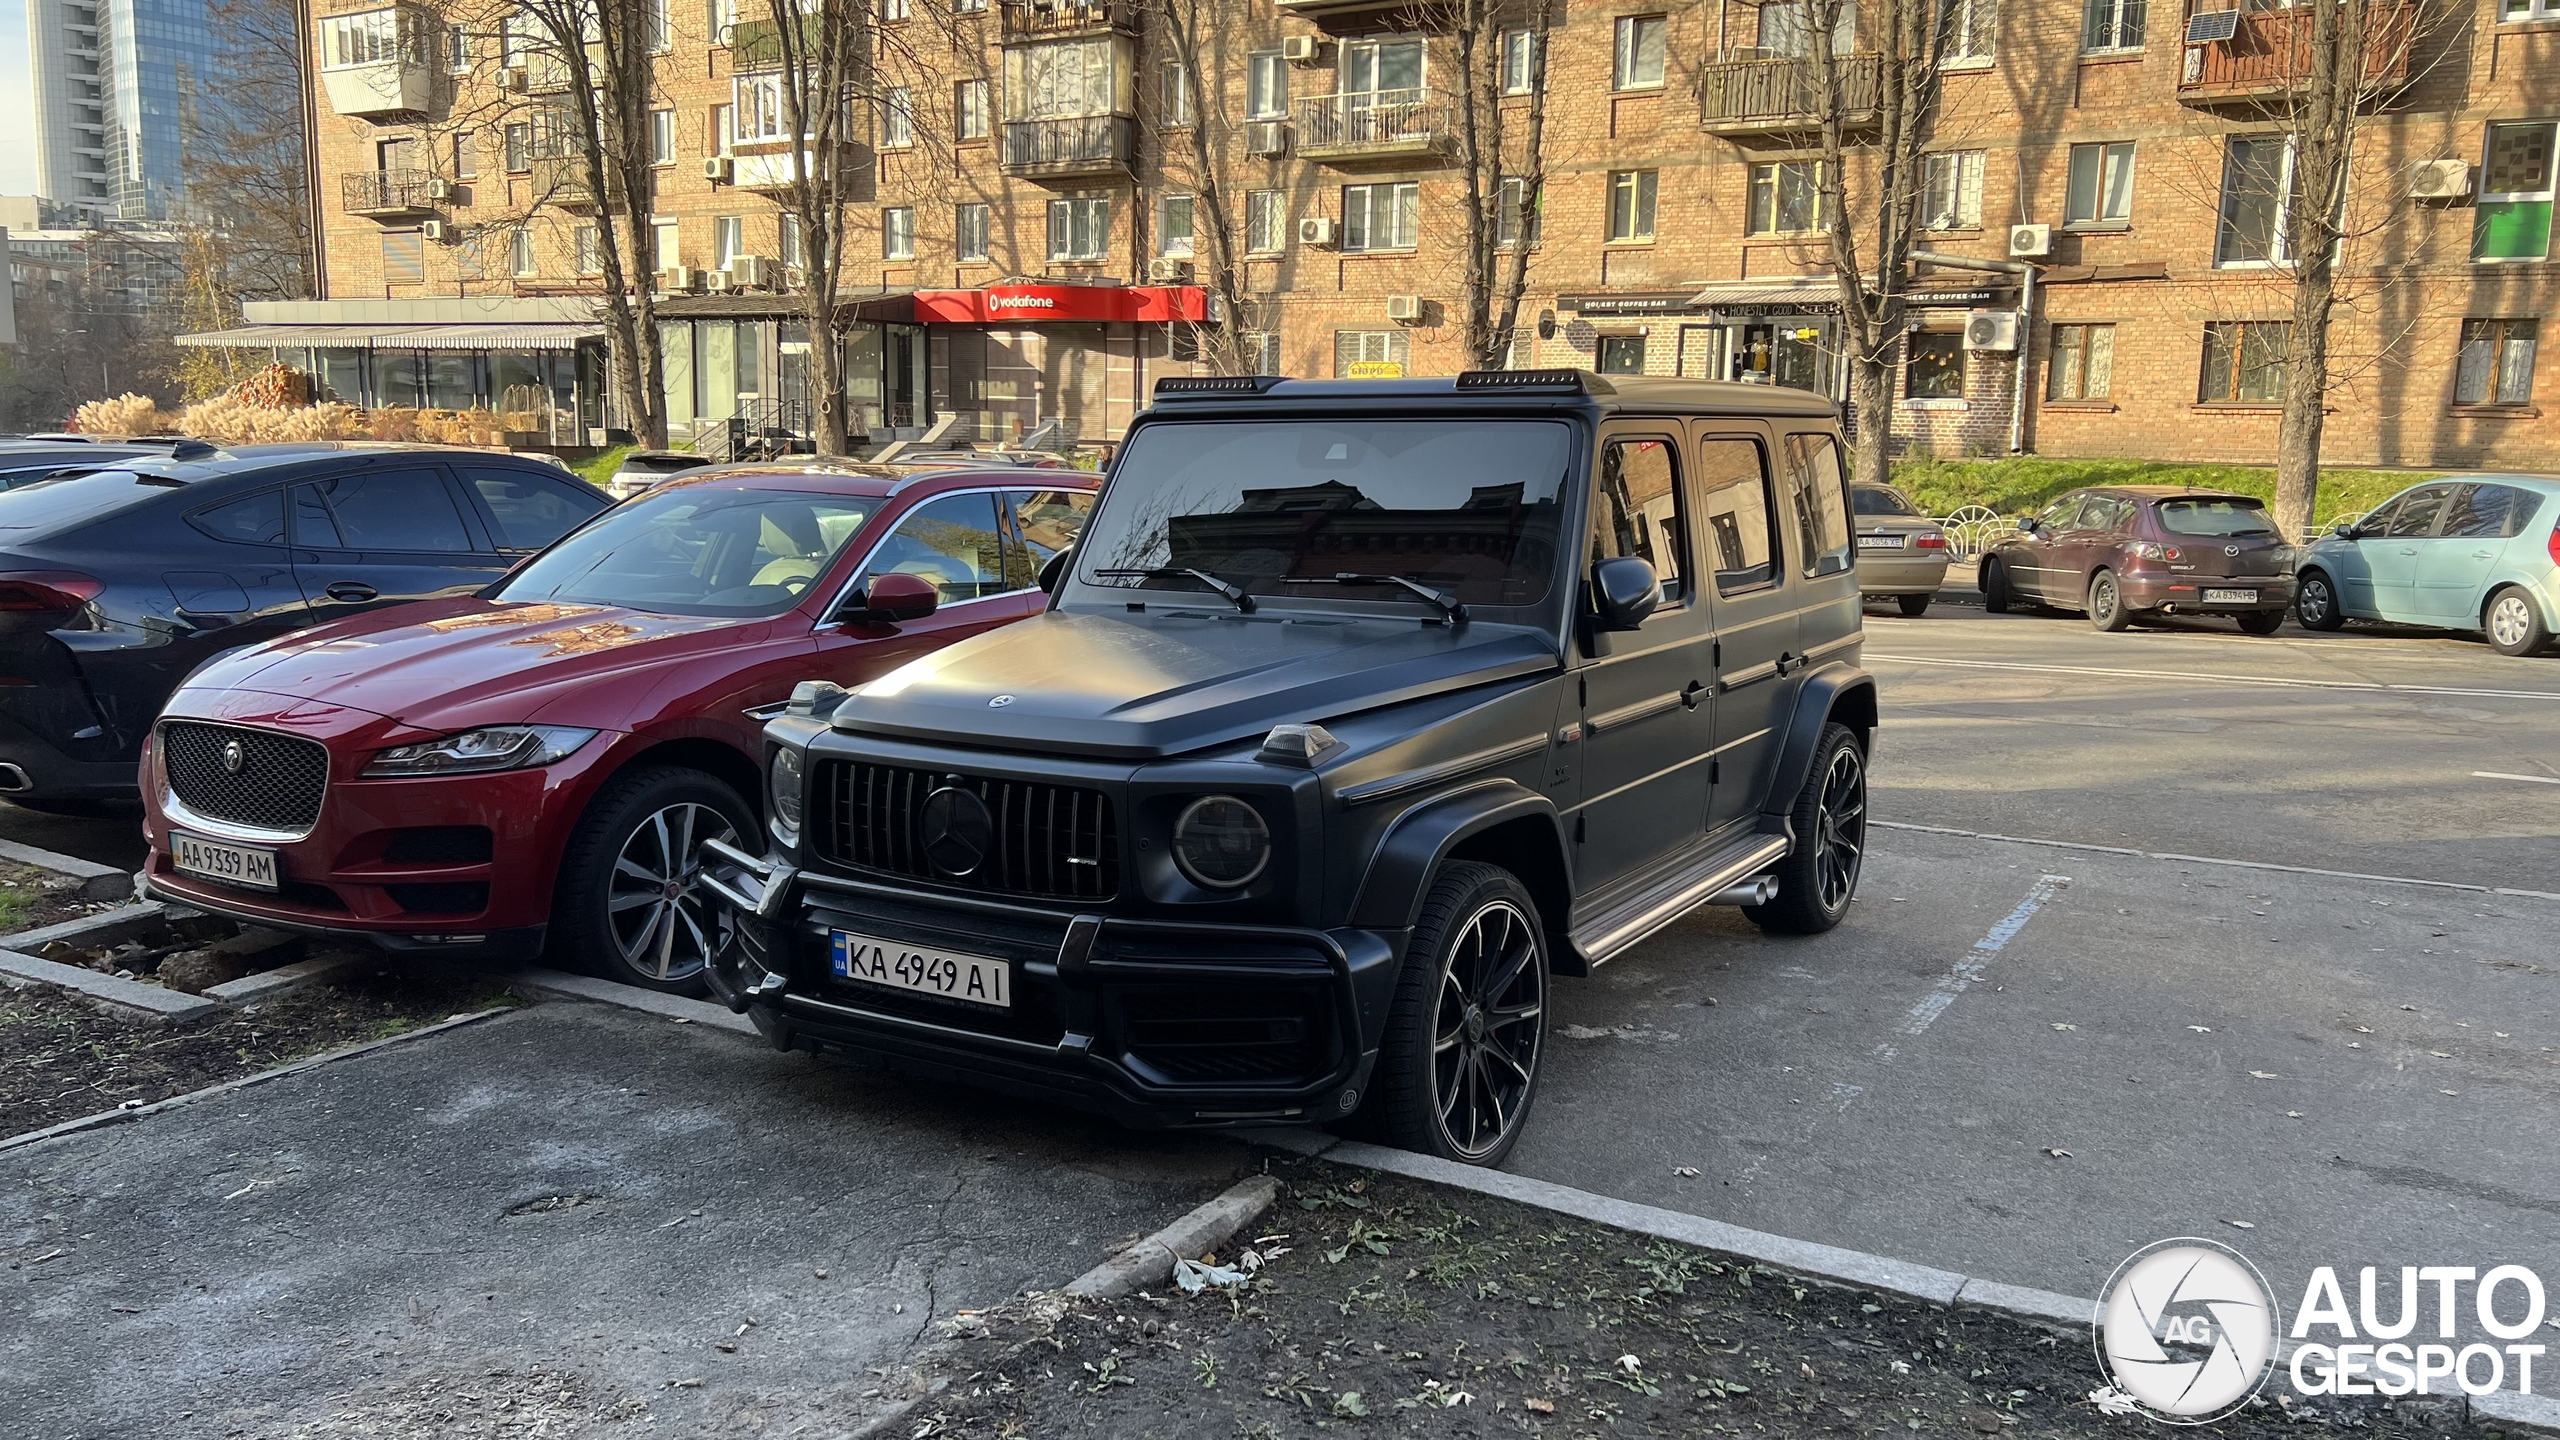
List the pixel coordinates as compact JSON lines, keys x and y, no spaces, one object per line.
{"x":1035,"y":304}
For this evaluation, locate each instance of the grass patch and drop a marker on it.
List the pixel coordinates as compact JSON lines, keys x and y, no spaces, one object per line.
{"x":600,"y":469}
{"x":14,"y":905}
{"x":2025,"y":483}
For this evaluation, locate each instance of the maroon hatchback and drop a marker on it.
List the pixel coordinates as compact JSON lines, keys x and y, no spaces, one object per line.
{"x":2122,"y":552}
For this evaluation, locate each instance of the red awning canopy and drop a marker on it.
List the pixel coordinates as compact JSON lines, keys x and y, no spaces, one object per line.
{"x":1038,"y":304}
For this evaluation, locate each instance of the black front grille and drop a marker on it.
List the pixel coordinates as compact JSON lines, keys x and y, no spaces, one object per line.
{"x":441,"y":845}
{"x":1052,"y":842}
{"x":456,"y":897}
{"x":1253,"y":1034}
{"x":276,"y":784}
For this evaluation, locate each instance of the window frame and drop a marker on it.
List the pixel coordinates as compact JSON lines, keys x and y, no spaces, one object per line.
{"x":1912,"y":345}
{"x":1774,"y":171}
{"x":2114,"y":27}
{"x":1776,"y":564}
{"x":1408,"y":218}
{"x":1981,"y":24}
{"x":897,"y":232}
{"x":1266,"y":85}
{"x":1816,"y":561}
{"x":522,"y":263}
{"x":2526,"y":12}
{"x":2279,"y":245}
{"x":2241,"y":334}
{"x":1173,"y":95}
{"x":1678,"y":588}
{"x":2505,"y":200}
{"x":1627,"y":52}
{"x":1091,"y":212}
{"x":2076,"y":342}
{"x":1516,"y":214}
{"x":1959,"y":173}
{"x":1518,"y":70}
{"x":1397,"y":345}
{"x":972,"y":111}
{"x":962,"y":228}
{"x":2107,"y":159}
{"x":1265,"y":210}
{"x":2498,"y":333}
{"x":1166,"y":243}
{"x":1634,"y":197}
{"x":898,"y":118}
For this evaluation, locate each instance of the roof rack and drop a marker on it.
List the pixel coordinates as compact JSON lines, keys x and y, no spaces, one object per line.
{"x":1215,"y":384}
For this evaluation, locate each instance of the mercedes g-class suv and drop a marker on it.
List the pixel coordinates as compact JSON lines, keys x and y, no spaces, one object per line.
{"x":1359,"y":710}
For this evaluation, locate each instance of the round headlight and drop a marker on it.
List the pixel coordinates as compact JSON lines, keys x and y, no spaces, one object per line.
{"x":1221,"y":842}
{"x":786,"y":790}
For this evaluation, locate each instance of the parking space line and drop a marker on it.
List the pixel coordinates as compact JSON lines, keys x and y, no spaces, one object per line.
{"x":2213,"y":860}
{"x":2529,"y":779}
{"x":1969,"y":969}
{"x":2268,"y":680}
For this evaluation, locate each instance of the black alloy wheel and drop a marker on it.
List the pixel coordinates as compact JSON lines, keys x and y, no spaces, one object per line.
{"x":2315,"y":602}
{"x":1819,"y":876}
{"x":1458,"y":1065}
{"x":2106,"y":603}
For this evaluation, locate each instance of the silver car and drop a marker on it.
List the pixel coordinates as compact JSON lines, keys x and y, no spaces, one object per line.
{"x":643,"y":468}
{"x":2468,"y":552}
{"x":1901,"y":552}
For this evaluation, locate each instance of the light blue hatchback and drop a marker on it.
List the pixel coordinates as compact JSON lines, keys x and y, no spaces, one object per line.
{"x":2468,"y":552}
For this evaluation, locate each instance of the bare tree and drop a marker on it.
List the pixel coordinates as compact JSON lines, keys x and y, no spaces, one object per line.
{"x":1504,"y":173}
{"x":247,"y":234}
{"x":821,"y":54}
{"x":1218,"y":255}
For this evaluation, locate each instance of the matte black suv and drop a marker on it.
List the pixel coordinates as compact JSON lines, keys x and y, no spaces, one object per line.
{"x":1360,"y":709}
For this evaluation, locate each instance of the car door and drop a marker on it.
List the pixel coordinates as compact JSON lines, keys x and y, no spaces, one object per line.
{"x":2085,"y":533}
{"x":239,"y":589}
{"x":2454,"y":565}
{"x":1647,"y":723}
{"x":2039,"y":549}
{"x":958,"y":541}
{"x":2391,"y":557}
{"x":1754,"y":606}
{"x":2346,"y":561}
{"x":382,"y":536}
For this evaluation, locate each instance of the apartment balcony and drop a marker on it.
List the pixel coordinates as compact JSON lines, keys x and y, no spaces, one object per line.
{"x":1779,"y":95}
{"x":1080,"y":147}
{"x":2267,"y":54}
{"x":562,"y":180}
{"x":383,"y":88}
{"x":1376,"y":127}
{"x":390,"y":194}
{"x":771,"y":170}
{"x":1025,"y":21}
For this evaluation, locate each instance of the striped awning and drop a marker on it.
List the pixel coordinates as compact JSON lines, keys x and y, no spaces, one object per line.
{"x":400,"y":337}
{"x":1809,"y":294}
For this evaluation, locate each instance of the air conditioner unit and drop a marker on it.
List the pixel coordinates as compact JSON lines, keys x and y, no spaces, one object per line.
{"x":719,"y":169}
{"x":795,"y":277}
{"x":1991,"y":330}
{"x":718,"y":280}
{"x":1404,"y":307}
{"x":2439,"y":179}
{"x":1266,"y":137}
{"x":2030,"y":242}
{"x":1300,"y":49}
{"x":444,"y":190}
{"x":676,"y":279}
{"x":436,"y":230}
{"x":514,"y":78}
{"x":748,"y":272}
{"x":1317,"y":230}
{"x":1166,"y":270}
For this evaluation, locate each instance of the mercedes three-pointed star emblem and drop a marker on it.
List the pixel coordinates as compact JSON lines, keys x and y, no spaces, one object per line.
{"x":956,"y":829}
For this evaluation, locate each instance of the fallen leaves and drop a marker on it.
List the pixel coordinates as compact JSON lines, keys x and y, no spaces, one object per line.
{"x":1685,"y":1172}
{"x":2242,"y":1224}
{"x":2264,"y":1075}
{"x":2057,"y":1154}
{"x":1537,"y":1406}
{"x":2112,"y":1401}
{"x":2201,"y":1029}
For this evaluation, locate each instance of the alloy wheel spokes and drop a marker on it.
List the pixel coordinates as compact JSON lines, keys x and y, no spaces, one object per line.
{"x":1484,"y":1055}
{"x":660,"y":921}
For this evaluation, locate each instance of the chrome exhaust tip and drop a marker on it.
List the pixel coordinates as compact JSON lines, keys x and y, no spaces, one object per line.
{"x":1758,"y":890}
{"x":13,"y":780}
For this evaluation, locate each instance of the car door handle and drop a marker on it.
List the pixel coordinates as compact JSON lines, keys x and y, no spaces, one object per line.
{"x":2408,"y":549}
{"x":1789,"y":661}
{"x":352,"y":592}
{"x":2484,"y":554}
{"x":1690,"y":693}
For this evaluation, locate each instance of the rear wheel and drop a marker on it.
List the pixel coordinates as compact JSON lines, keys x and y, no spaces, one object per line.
{"x":1995,"y":587}
{"x":2106,"y":603}
{"x":2513,"y":623}
{"x":1913,"y":605}
{"x":1458,"y":1064}
{"x":2315,"y":602}
{"x":630,"y":904}
{"x":1819,"y":877}
{"x":2260,"y":622}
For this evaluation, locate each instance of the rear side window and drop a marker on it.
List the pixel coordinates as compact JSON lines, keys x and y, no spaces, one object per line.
{"x":1049,"y":521}
{"x":1822,"y":503}
{"x":1738,"y":515}
{"x":955,"y":542}
{"x":2490,"y":512}
{"x":531,"y":510}
{"x":256,"y":520}
{"x":1637,"y":511}
{"x":2216,"y":517}
{"x":391,"y":510}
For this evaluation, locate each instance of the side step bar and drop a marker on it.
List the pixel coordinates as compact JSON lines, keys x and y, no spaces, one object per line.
{"x":1730,"y":876}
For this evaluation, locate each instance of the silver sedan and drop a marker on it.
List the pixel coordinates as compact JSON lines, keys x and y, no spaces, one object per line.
{"x":1901,"y":552}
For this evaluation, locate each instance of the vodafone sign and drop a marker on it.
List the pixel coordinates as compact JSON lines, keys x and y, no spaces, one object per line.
{"x":1020,"y":304}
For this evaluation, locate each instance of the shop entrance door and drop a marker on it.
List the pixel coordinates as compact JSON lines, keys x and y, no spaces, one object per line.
{"x":1701,"y":352}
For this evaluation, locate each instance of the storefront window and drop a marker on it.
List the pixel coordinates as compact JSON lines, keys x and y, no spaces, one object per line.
{"x":1935,"y":369}
{"x":453,"y":379}
{"x":399,"y":376}
{"x":341,"y":375}
{"x":716,"y":373}
{"x":675,"y":355}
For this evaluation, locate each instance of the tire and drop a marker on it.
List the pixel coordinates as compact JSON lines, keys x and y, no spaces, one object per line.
{"x":2513,"y":622}
{"x":1455,"y":1023}
{"x":1819,"y":877}
{"x":658,"y":932}
{"x":1995,"y":587}
{"x":2106,"y":608}
{"x":2315,"y":602}
{"x":1914,"y":606}
{"x":2260,"y":622}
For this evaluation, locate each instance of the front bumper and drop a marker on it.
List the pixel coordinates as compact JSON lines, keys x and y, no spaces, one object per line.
{"x":498,"y":946}
{"x":2184,"y":594}
{"x":1155,"y":1023}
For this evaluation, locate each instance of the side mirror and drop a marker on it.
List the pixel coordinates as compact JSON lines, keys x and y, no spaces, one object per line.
{"x":1054,"y":569}
{"x":2345,"y":530}
{"x":2026,"y":524}
{"x":1624,"y":590}
{"x":892,"y":598}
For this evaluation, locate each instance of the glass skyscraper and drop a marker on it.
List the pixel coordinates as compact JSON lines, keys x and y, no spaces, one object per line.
{"x":117,"y":83}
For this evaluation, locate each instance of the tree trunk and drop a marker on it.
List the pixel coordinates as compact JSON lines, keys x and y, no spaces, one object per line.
{"x":1871,"y":383}
{"x":2306,"y":402}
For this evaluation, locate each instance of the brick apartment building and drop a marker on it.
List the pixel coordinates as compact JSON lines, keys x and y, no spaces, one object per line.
{"x":1033,"y":177}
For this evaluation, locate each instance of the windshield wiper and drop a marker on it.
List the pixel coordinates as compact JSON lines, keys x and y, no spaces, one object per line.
{"x":1449,"y":606}
{"x":1234,"y":593}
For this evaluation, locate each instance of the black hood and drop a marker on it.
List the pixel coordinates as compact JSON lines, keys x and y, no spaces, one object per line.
{"x":1138,"y":686}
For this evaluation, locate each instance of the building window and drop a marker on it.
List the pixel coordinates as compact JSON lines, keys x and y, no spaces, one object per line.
{"x":968,"y":7}
{"x":1173,"y":93}
{"x":1266,"y":86}
{"x":1631,"y":194}
{"x":894,"y":10}
{"x":728,"y":239}
{"x":457,"y":49}
{"x":2083,"y":364}
{"x":1173,"y":226}
{"x":897,"y":233}
{"x":590,"y":250}
{"x":969,"y":110}
{"x":2496,"y":363}
{"x":1933,"y":366}
{"x":378,"y":37}
{"x":969,"y":229}
{"x":1371,"y":67}
{"x":1786,"y":28}
{"x":2511,"y":11}
{"x":1370,"y":354}
{"x":1519,"y":62}
{"x":2101,"y":189}
{"x":662,"y":137}
{"x":1263,"y":219}
{"x":1966,"y":31}
{"x":2257,"y":194}
{"x":518,"y":141}
{"x":786,"y":239}
{"x":1264,"y":347}
{"x":1951,"y":191}
{"x":466,"y":156}
{"x":757,"y":111}
{"x":1786,"y":198}
{"x":1381,"y":217}
{"x":1621,"y":355}
{"x":404,"y":258}
{"x":2516,"y":189}
{"x":2113,"y":25}
{"x":717,"y":132}
{"x":1641,"y":42}
{"x":2243,"y":362}
{"x":898,"y":118}
{"x":520,"y":251}
{"x":1518,"y":217}
{"x":1080,"y":229}
{"x":666,"y":244}
{"x":1063,"y":80}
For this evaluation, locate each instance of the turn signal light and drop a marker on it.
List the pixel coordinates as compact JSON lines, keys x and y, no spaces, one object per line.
{"x":28,"y":590}
{"x":1928,"y":542}
{"x":2153,"y":550}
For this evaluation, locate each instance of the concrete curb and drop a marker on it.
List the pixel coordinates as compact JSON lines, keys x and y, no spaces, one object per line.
{"x":174,"y":1007}
{"x":1150,"y":1261}
{"x":251,"y":991}
{"x":630,"y":997}
{"x":104,"y":927}
{"x":97,"y":882}
{"x":119,"y":1117}
{"x":2517,"y":1414}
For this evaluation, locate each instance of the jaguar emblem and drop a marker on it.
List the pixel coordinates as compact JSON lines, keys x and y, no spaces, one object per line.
{"x":233,"y":757}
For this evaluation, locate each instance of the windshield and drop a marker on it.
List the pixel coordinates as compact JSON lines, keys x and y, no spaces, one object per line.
{"x":697,"y":551}
{"x":1877,"y":500}
{"x":2216,"y":517}
{"x":1471,"y":508}
{"x":29,"y":512}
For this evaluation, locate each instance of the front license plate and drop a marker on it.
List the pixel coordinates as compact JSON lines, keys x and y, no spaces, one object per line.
{"x":217,"y":860}
{"x":1879,"y":542}
{"x":2231,"y":597}
{"x":900,"y":966}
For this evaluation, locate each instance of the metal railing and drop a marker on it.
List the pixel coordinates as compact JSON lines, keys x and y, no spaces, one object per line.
{"x":1080,"y":140}
{"x":2270,"y":52}
{"x":387,"y":192}
{"x":1029,"y":19}
{"x":1973,"y":529}
{"x":761,"y":430}
{"x":1744,"y":94}
{"x":1376,"y":120}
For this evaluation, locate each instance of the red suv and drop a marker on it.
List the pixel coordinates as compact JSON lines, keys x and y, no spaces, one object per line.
{"x":539,"y":763}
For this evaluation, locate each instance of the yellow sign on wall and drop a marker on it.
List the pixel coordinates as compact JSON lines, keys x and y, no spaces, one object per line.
{"x":1374,"y":370}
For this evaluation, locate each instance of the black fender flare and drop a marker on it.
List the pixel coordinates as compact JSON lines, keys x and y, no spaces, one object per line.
{"x":1834,"y":688}
{"x":1399,"y":870}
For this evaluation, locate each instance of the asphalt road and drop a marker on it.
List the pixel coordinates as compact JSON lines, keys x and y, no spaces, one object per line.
{"x":111,"y":835}
{"x":354,"y":1249}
